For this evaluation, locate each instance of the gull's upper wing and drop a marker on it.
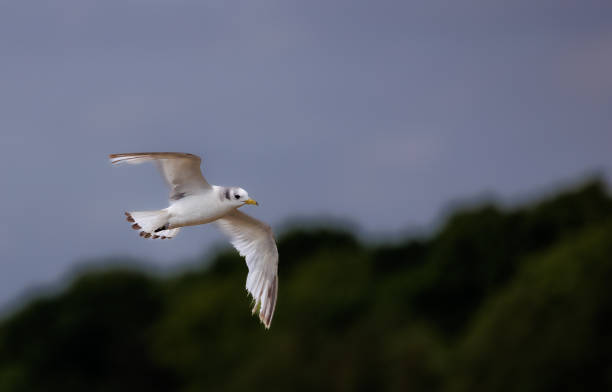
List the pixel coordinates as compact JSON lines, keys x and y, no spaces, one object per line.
{"x":180,"y":170}
{"x":254,"y":240}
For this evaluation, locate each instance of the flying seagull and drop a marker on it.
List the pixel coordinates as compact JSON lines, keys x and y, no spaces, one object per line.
{"x":193,"y":201}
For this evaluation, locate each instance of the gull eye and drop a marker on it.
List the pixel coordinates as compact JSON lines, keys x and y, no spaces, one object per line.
{"x":237,"y":196}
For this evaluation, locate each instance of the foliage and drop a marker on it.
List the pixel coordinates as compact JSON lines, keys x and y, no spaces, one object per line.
{"x":504,"y":300}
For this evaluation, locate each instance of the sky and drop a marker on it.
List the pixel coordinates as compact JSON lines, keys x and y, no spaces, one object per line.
{"x":379,"y":113}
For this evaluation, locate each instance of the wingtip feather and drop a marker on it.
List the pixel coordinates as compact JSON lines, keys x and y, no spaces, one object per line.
{"x":266,"y":304}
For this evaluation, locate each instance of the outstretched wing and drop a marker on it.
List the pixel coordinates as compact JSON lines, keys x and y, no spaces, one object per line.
{"x":254,"y":240}
{"x":180,"y":170}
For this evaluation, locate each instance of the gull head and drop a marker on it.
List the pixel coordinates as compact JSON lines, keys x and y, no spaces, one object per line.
{"x":239,"y":197}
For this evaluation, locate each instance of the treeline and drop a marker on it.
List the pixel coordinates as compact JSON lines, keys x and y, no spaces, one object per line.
{"x":497,"y":300}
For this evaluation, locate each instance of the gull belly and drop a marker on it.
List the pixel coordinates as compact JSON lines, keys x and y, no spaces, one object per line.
{"x":197,"y":209}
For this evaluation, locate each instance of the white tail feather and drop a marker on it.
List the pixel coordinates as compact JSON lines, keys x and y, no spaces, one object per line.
{"x":149,"y":224}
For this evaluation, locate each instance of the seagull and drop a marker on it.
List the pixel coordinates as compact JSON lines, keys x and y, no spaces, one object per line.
{"x":193,"y":201}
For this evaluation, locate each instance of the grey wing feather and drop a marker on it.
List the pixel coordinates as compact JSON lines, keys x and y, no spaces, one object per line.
{"x":181,"y":171}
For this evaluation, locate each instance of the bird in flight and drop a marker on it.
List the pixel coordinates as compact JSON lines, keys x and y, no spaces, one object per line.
{"x":193,"y":201}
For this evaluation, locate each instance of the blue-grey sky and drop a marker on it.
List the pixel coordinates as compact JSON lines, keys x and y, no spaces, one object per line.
{"x":380,"y":112}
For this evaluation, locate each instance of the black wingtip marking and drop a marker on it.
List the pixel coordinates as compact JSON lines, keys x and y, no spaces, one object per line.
{"x":164,"y":227}
{"x":178,"y":196}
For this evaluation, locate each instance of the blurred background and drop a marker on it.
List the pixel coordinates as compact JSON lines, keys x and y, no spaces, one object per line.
{"x":437,"y":174}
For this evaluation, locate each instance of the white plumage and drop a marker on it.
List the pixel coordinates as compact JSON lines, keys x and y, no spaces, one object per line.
{"x":194,"y":201}
{"x":255,"y":242}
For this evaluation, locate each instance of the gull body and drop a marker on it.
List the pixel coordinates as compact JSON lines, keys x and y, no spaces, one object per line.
{"x":193,"y":201}
{"x":199,"y":209}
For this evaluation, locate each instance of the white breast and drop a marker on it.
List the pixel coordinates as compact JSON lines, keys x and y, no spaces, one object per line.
{"x":198,"y":209}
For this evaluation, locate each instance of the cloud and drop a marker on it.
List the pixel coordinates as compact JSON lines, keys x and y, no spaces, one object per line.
{"x":587,"y":65}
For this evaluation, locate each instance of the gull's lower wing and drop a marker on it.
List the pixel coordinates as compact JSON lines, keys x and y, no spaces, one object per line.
{"x":254,"y":240}
{"x":180,"y":170}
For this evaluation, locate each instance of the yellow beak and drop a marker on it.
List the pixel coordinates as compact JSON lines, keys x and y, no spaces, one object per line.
{"x":251,"y":201}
